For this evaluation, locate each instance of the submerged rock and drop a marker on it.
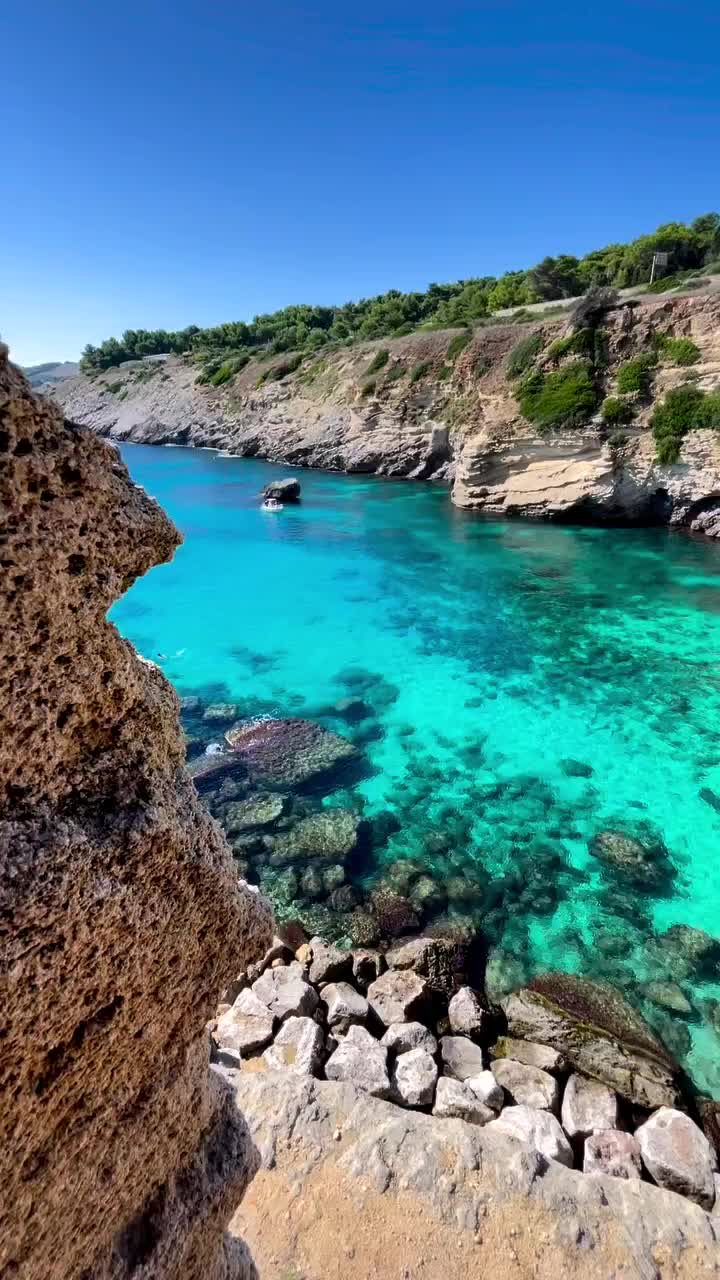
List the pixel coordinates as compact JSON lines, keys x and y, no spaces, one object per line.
{"x":599,"y":1033}
{"x":646,"y":864}
{"x":393,"y":913}
{"x":288,"y":753}
{"x":330,"y":835}
{"x":258,"y":810}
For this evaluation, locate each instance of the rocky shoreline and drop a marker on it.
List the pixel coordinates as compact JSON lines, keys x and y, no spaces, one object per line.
{"x":557,"y":1071}
{"x":437,"y":413}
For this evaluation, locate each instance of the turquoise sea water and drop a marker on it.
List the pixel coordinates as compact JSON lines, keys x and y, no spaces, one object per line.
{"x":509,"y":650}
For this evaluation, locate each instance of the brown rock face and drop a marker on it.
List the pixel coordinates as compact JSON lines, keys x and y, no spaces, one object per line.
{"x":120,"y":914}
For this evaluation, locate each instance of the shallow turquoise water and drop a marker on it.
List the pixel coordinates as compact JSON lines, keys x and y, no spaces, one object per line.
{"x":512,"y":647}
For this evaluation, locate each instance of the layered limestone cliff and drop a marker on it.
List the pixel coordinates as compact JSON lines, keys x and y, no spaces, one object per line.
{"x":121,"y":915}
{"x":433,"y":411}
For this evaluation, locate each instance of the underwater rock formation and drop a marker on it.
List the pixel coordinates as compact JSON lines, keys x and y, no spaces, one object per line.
{"x":121,"y":912}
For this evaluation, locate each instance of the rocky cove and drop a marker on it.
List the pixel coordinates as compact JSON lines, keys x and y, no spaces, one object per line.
{"x":536,"y":1111}
{"x":443,"y":406}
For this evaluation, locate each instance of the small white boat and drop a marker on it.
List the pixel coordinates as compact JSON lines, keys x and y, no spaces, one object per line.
{"x":272,"y":504}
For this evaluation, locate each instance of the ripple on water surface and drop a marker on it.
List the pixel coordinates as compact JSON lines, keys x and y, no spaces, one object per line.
{"x":520,"y":689}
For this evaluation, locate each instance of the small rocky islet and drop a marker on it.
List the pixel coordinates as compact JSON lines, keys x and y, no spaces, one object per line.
{"x":286,"y":791}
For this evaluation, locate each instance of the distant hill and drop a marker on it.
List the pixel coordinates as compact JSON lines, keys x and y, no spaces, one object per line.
{"x":52,"y":371}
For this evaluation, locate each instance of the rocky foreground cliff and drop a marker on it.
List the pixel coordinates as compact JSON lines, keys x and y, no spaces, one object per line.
{"x":121,"y":914}
{"x":445,"y":406}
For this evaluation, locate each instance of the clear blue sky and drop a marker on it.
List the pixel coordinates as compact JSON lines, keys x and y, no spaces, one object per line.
{"x":203,"y":160}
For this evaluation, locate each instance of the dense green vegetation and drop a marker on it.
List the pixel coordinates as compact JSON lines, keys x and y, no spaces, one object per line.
{"x":635,"y":374}
{"x":564,"y":398}
{"x":306,"y":329}
{"x":684,"y":409}
{"x":419,"y":371}
{"x":682,"y":351}
{"x":614,"y":411}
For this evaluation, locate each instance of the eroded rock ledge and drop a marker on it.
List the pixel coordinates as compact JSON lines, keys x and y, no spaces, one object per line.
{"x":120,"y":912}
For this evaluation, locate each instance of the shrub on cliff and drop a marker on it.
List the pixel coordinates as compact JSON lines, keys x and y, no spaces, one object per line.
{"x":419,"y":371}
{"x":614,"y":411}
{"x":635,"y":375}
{"x":523,"y":354}
{"x":685,"y":408}
{"x":457,"y":344}
{"x":563,"y":398}
{"x":378,"y":361}
{"x":680,"y":351}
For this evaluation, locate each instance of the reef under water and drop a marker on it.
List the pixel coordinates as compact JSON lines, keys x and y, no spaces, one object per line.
{"x":534,"y":711}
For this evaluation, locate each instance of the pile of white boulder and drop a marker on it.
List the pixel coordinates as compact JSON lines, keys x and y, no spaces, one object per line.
{"x":371,"y":1019}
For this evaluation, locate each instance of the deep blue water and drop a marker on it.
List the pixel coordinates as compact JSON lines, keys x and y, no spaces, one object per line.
{"x":512,"y":654}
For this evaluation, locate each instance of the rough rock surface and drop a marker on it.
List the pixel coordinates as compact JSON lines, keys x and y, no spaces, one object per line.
{"x":396,"y":996}
{"x":598,"y":1032}
{"x":456,"y":1100}
{"x":539,"y":1129}
{"x":289,"y":752}
{"x":528,"y":1086}
{"x":352,"y":1187}
{"x":247,"y":1026}
{"x":298,"y":1047}
{"x":588,"y":1107}
{"x":413,"y":1078}
{"x":533,"y":1055}
{"x":678,"y":1155}
{"x":122,"y":916}
{"x":614,"y":1153}
{"x":403,"y":1036}
{"x":344,"y":1006}
{"x":466,"y":1014}
{"x":362,"y":1060}
{"x":460,"y":1057}
{"x":285,"y":992}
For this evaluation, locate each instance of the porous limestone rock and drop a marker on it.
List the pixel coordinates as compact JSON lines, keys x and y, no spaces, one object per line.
{"x":539,"y":1129}
{"x":598,"y":1032}
{"x":441,"y":961}
{"x":460,"y":1057}
{"x":614,"y":1153}
{"x":413,"y":1078}
{"x":285,"y":992}
{"x":396,"y":996}
{"x":677,"y":1155}
{"x":361,"y":1060}
{"x":344,"y":1005}
{"x":453,"y":1099}
{"x":400,"y":1037}
{"x":298,"y":1047}
{"x":124,"y":919}
{"x":247,"y":1026}
{"x":367,"y":965}
{"x":588,"y":1107}
{"x":528,"y":1086}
